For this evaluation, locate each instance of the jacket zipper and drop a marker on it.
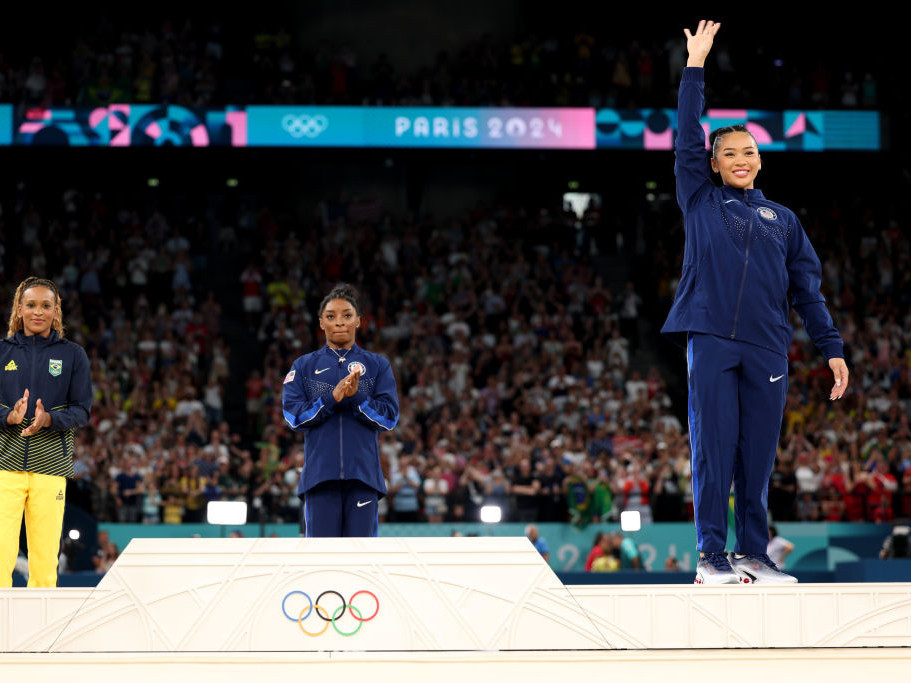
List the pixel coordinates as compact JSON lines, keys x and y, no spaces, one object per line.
{"x":341,"y":447}
{"x":743,"y":277}
{"x":31,"y":378}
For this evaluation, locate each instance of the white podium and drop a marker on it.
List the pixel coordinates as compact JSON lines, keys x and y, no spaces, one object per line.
{"x":276,"y":600}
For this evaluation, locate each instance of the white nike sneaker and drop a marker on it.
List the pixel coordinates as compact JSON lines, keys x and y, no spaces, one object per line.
{"x":759,"y":569}
{"x":714,"y":569}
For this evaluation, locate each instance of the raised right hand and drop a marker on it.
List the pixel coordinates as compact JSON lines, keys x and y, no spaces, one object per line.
{"x":17,"y":414}
{"x":699,"y":44}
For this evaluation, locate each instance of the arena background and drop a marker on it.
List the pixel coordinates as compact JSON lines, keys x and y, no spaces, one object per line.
{"x":854,"y":204}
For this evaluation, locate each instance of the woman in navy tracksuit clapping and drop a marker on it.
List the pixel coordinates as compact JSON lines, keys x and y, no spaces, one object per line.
{"x":745,"y":259}
{"x":341,"y":397}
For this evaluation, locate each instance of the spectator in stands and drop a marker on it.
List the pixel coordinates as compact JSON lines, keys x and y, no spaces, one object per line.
{"x":405,"y":491}
{"x":129,"y":494}
{"x":628,"y":551}
{"x":540,"y":544}
{"x":779,"y":547}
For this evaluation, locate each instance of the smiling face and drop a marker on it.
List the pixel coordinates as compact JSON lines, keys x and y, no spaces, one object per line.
{"x":37,"y":308}
{"x":340,"y":322}
{"x":737,"y":160}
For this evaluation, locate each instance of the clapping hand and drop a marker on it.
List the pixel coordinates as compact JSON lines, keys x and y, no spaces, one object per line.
{"x":42,"y":420}
{"x":355,"y":377}
{"x":347,"y":386}
{"x":699,"y":44}
{"x":17,"y":414}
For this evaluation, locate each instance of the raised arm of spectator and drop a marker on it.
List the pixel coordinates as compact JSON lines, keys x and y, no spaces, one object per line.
{"x":692,"y":167}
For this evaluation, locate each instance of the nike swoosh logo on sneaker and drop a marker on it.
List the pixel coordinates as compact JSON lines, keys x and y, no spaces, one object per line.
{"x":362,"y":503}
{"x":775,"y":379}
{"x":316,"y":372}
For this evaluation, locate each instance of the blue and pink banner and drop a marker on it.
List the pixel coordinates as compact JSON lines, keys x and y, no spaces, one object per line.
{"x":811,"y":130}
{"x":130,"y":125}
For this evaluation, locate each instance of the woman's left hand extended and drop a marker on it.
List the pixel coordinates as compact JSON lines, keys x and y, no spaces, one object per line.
{"x":42,"y":420}
{"x":840,"y":370}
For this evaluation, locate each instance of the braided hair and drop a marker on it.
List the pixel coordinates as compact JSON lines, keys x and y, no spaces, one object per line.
{"x":15,"y":320}
{"x":717,"y":135}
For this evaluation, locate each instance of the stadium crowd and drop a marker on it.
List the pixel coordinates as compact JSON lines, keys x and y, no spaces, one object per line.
{"x":516,"y":358}
{"x":520,"y":390}
{"x":200,"y":64}
{"x":515,"y":363}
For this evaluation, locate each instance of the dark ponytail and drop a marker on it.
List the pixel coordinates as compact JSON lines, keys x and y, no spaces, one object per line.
{"x":341,"y":291}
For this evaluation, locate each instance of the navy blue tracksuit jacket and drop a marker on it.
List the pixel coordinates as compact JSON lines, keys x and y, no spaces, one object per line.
{"x":746,"y":260}
{"x":341,"y":438}
{"x":56,"y":370}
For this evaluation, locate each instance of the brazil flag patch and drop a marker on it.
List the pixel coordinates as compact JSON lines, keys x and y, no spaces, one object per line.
{"x":55,"y":367}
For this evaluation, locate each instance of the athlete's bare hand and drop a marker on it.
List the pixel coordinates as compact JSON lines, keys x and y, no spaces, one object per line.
{"x":17,"y":414}
{"x":699,"y":44}
{"x":42,"y":420}
{"x":347,"y":386}
{"x":840,"y":370}
{"x":354,"y":382}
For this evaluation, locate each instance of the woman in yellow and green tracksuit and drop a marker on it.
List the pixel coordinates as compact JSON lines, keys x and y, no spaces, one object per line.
{"x":45,"y":395}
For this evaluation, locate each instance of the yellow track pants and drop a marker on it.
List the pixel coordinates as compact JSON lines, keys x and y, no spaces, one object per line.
{"x":41,"y":497}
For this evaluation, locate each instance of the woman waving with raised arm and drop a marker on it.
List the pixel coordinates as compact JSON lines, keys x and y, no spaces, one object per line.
{"x":746,"y":260}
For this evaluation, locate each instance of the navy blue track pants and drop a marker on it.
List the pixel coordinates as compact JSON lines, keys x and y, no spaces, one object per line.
{"x":340,"y":508}
{"x":737,"y":394}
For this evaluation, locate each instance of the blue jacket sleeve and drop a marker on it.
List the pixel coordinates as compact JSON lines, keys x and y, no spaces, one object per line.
{"x":804,"y":280}
{"x":299,"y":409}
{"x":691,"y":164}
{"x":78,"y":396}
{"x":381,"y":410}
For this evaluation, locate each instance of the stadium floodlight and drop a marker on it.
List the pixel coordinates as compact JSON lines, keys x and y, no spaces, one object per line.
{"x":226,"y":512}
{"x":74,"y":534}
{"x":491,"y":514}
{"x":630,"y":520}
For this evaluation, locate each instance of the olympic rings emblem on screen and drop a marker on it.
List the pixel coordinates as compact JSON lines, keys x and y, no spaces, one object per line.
{"x":343,"y":607}
{"x":304,"y":125}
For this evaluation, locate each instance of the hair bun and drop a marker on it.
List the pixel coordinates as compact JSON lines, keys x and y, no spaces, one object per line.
{"x":343,"y":291}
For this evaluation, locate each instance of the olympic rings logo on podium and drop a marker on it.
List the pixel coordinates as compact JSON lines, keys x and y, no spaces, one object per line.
{"x":314,"y":607}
